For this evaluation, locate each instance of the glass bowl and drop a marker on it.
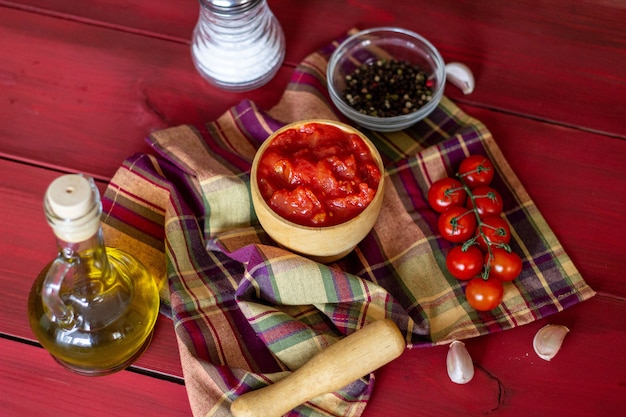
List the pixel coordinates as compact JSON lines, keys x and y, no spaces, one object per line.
{"x":385,"y":43}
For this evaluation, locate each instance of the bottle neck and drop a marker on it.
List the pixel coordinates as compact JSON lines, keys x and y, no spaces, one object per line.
{"x":72,"y":207}
{"x":88,"y":255}
{"x":73,"y":211}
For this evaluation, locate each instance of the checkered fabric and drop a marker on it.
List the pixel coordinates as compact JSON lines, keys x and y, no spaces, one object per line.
{"x":247,"y":312}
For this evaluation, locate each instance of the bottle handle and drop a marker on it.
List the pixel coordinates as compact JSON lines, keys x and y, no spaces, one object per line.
{"x":56,"y":309}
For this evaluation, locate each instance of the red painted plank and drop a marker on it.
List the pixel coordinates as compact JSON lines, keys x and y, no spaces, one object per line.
{"x":131,"y":85}
{"x":586,"y":378}
{"x":81,"y":97}
{"x":32,"y":384}
{"x":82,"y":85}
{"x":546,"y":59}
{"x":27,"y":245}
{"x":508,"y":379}
{"x":167,"y":18}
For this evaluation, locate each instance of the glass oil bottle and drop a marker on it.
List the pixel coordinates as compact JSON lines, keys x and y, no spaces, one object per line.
{"x":93,"y":308}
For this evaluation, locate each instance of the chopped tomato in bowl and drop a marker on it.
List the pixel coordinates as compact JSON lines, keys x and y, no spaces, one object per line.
{"x":317,"y":187}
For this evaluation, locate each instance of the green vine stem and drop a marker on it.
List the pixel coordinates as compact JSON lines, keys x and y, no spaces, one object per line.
{"x":480,"y":225}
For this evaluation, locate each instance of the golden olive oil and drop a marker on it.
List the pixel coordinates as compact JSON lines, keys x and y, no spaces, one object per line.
{"x":115,"y":316}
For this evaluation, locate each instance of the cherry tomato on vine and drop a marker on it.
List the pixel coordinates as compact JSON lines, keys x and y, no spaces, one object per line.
{"x":446,"y":192}
{"x":495,"y":229}
{"x":487,"y":201}
{"x":465,"y":263}
{"x":484,"y":294}
{"x":476,"y":170}
{"x":504,"y":265}
{"x":457,"y":224}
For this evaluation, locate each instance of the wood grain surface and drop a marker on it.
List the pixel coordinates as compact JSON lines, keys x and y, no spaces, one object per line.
{"x":83,"y":83}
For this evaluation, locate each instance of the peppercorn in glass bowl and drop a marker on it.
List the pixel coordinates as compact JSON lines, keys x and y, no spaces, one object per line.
{"x":386,"y":79}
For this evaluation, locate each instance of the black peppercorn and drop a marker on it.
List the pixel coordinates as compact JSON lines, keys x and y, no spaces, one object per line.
{"x":387,"y":88}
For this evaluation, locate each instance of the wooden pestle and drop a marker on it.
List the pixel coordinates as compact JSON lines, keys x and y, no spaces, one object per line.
{"x":333,"y":368}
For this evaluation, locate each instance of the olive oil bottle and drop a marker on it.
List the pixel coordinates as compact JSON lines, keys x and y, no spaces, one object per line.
{"x":93,"y":308}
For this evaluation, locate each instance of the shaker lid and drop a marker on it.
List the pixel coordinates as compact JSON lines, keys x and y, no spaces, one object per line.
{"x":230,"y":6}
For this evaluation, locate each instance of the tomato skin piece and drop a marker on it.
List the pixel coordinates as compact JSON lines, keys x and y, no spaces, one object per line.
{"x":301,"y":203}
{"x":487,"y":201}
{"x":495,"y":229}
{"x":484,"y":294}
{"x":446,"y":192}
{"x":476,"y":170}
{"x":504,"y":265}
{"x":457,"y":224}
{"x":465,"y":264}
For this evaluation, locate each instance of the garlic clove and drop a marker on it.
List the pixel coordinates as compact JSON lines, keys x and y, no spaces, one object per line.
{"x":461,"y":76}
{"x":459,"y":362}
{"x":548,"y":340}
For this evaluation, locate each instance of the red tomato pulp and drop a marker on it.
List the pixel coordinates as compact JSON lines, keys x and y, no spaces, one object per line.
{"x":317,"y":175}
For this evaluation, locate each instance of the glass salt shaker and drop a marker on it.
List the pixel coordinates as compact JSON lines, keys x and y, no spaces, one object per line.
{"x":237,"y":45}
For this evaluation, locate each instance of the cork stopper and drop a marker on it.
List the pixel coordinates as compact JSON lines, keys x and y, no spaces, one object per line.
{"x":72,"y":206}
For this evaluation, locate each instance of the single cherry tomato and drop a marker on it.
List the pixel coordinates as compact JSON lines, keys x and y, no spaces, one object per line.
{"x":457,"y":224}
{"x":446,"y":192}
{"x":484,"y":294}
{"x":504,"y":265}
{"x":495,"y":229}
{"x":465,"y":263}
{"x":476,"y":170}
{"x":487,"y":201}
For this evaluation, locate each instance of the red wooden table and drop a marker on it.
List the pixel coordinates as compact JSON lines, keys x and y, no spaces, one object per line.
{"x":82,"y":83}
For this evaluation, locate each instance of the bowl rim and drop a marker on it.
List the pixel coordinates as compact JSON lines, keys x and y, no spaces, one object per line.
{"x":371,"y":121}
{"x":254,"y":188}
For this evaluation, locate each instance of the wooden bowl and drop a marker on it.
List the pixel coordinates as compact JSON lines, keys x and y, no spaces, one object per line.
{"x":325,"y":243}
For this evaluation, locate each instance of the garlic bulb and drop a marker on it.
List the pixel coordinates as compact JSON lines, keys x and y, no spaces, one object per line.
{"x":459,"y":362}
{"x":548,"y":340}
{"x":461,"y":76}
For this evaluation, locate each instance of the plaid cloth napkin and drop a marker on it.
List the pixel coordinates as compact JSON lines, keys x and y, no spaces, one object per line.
{"x":247,"y":312}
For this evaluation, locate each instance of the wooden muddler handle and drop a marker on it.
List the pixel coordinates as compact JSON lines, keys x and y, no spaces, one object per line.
{"x":333,"y":368}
